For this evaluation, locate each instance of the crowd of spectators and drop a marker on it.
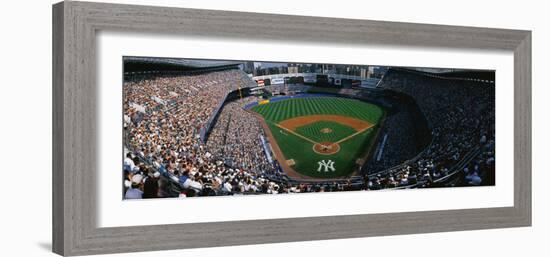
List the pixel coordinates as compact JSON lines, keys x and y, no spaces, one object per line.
{"x":236,"y":138}
{"x":163,"y":117}
{"x":395,"y":143}
{"x":461,"y":115}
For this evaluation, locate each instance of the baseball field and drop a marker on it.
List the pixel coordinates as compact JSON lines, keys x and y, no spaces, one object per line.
{"x":320,"y":137}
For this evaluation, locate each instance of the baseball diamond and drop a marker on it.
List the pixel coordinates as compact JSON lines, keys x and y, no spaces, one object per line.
{"x":314,"y":131}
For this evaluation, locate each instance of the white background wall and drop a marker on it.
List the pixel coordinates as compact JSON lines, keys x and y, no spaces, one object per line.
{"x":25,"y":128}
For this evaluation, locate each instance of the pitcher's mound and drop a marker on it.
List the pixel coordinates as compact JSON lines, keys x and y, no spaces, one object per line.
{"x":326,"y":130}
{"x":326,"y":148}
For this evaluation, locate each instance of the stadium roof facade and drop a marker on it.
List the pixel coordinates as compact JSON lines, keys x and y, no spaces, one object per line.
{"x":458,"y":73}
{"x":153,"y":64}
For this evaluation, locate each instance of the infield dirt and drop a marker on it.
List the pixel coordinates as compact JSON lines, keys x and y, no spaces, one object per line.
{"x":297,"y":122}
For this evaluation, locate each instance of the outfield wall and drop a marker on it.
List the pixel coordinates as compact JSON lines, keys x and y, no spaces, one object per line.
{"x":380,"y":102}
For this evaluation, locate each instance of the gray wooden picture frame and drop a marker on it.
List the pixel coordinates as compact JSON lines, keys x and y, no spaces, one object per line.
{"x":75,"y":25}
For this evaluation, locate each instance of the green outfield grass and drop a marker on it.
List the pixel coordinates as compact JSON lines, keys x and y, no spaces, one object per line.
{"x":301,"y":150}
{"x":286,"y":109}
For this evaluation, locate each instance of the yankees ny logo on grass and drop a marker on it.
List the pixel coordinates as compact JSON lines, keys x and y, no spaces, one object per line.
{"x":327,"y":165}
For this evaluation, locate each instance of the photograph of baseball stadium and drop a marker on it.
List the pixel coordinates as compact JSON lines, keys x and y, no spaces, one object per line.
{"x":194,"y":128}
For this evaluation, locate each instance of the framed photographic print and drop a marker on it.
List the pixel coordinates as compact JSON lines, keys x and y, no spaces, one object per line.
{"x":225,"y":128}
